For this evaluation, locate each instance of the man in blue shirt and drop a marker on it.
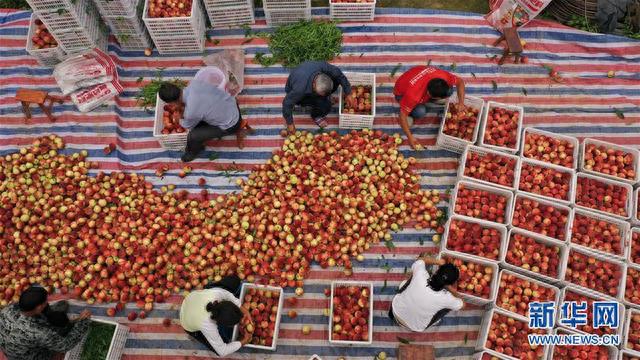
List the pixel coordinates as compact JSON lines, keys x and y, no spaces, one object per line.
{"x":311,"y":84}
{"x":209,"y":113}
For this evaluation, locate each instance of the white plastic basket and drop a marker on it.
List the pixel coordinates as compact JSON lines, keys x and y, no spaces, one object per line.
{"x":109,"y":8}
{"x":276,"y":330}
{"x":504,"y":273}
{"x":628,"y":303}
{"x":572,"y":181}
{"x":179,"y":45}
{"x":622,"y":225}
{"x":134,"y":42}
{"x":634,"y":210}
{"x":473,"y":185}
{"x":230,"y":12}
{"x":92,"y":34}
{"x":613,"y":352}
{"x":484,"y":151}
{"x":590,"y":298}
{"x":628,"y":355}
{"x":565,"y":208}
{"x":279,"y":17}
{"x":546,"y":241}
{"x":453,"y":143}
{"x":50,"y":5}
{"x":502,"y":247}
{"x":355,"y":121}
{"x":341,"y":283}
{"x":628,"y":188}
{"x":115,"y":349}
{"x":176,"y":27}
{"x":60,"y":20}
{"x":625,"y":333}
{"x":623,"y":270}
{"x":352,"y":11}
{"x":485,"y":327}
{"x":167,"y":141}
{"x":492,"y":104}
{"x":634,"y":152}
{"x":47,"y":56}
{"x":486,"y":355}
{"x":285,"y":4}
{"x":493,"y":292}
{"x":131,"y":25}
{"x":569,"y":139}
{"x":633,"y":246}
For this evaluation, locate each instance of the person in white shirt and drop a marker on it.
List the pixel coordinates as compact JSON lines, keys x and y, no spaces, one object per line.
{"x":423,"y":300}
{"x":210,"y":315}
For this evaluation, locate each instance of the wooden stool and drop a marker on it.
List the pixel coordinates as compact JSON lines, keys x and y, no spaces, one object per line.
{"x":28,"y":96}
{"x":514,"y":46}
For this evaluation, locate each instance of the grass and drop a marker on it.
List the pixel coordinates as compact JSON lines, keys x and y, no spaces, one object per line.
{"x":98,"y":341}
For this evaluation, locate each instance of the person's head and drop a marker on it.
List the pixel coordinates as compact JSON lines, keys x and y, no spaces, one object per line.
{"x":438,"y":89}
{"x":33,"y":300}
{"x":446,"y":274}
{"x":322,"y":84}
{"x":169,"y":92}
{"x":224,"y":313}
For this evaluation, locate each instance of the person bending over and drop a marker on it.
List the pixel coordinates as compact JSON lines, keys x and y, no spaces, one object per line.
{"x":417,"y":88}
{"x":311,"y":84}
{"x":34,"y":330}
{"x":209,"y":113}
{"x":424,"y":300}
{"x":209,"y":316}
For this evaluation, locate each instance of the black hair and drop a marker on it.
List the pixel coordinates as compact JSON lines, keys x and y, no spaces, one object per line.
{"x":32,"y":297}
{"x":446,"y":274}
{"x":438,"y":88}
{"x":169,"y":92}
{"x":56,"y":318}
{"x":224,"y":313}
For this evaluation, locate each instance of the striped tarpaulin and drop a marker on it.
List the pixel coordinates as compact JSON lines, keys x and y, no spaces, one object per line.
{"x":583,"y":104}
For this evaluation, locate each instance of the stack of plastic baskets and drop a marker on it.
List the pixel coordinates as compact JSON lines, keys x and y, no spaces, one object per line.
{"x":75,"y":24}
{"x":124,"y":17}
{"x":282,"y":12}
{"x":230,"y":12}
{"x":173,"y":35}
{"x":352,"y":10}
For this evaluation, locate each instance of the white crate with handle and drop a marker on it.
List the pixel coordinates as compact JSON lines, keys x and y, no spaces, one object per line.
{"x":619,"y":291}
{"x":177,"y":34}
{"x":230,"y":12}
{"x":283,"y":12}
{"x":505,"y":274}
{"x":509,"y":261}
{"x":588,"y":167}
{"x":91,"y":34}
{"x":483,"y":129}
{"x":580,"y":198}
{"x":502,"y":230}
{"x":50,"y":5}
{"x":493,"y":282}
{"x":564,"y":209}
{"x":175,"y":141}
{"x":569,"y":174}
{"x":361,"y":284}
{"x":456,"y":144}
{"x":66,"y":18}
{"x":116,"y":346}
{"x":357,"y":121}
{"x":468,"y":172}
{"x":243,"y":291}
{"x":352,"y":10}
{"x":531,"y":131}
{"x":612,"y":352}
{"x":285,"y":4}
{"x":623,"y":228}
{"x":45,"y":56}
{"x":485,"y":328}
{"x":573,"y":292}
{"x":508,"y":195}
{"x":128,"y":23}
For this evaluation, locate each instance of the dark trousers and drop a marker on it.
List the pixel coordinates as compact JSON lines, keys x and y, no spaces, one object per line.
{"x":320,"y":106}
{"x":204,"y":132}
{"x":231,"y":284}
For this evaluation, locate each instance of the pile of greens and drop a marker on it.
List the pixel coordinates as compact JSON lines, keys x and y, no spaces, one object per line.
{"x":147,"y":95}
{"x":96,"y":346}
{"x":293,"y":44}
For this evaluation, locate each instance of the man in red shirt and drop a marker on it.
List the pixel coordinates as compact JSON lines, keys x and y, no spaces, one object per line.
{"x":419,"y":86}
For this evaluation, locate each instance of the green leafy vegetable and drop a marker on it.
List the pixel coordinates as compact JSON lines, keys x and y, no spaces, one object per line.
{"x":454,"y":66}
{"x":619,"y":113}
{"x":146,"y":97}
{"x":303,"y":41}
{"x":96,"y":346}
{"x":389,"y":244}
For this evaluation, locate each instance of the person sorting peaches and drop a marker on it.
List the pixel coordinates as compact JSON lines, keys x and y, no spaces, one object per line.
{"x":311,"y":84}
{"x":420,"y":87}
{"x":210,"y":315}
{"x":423,"y":300}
